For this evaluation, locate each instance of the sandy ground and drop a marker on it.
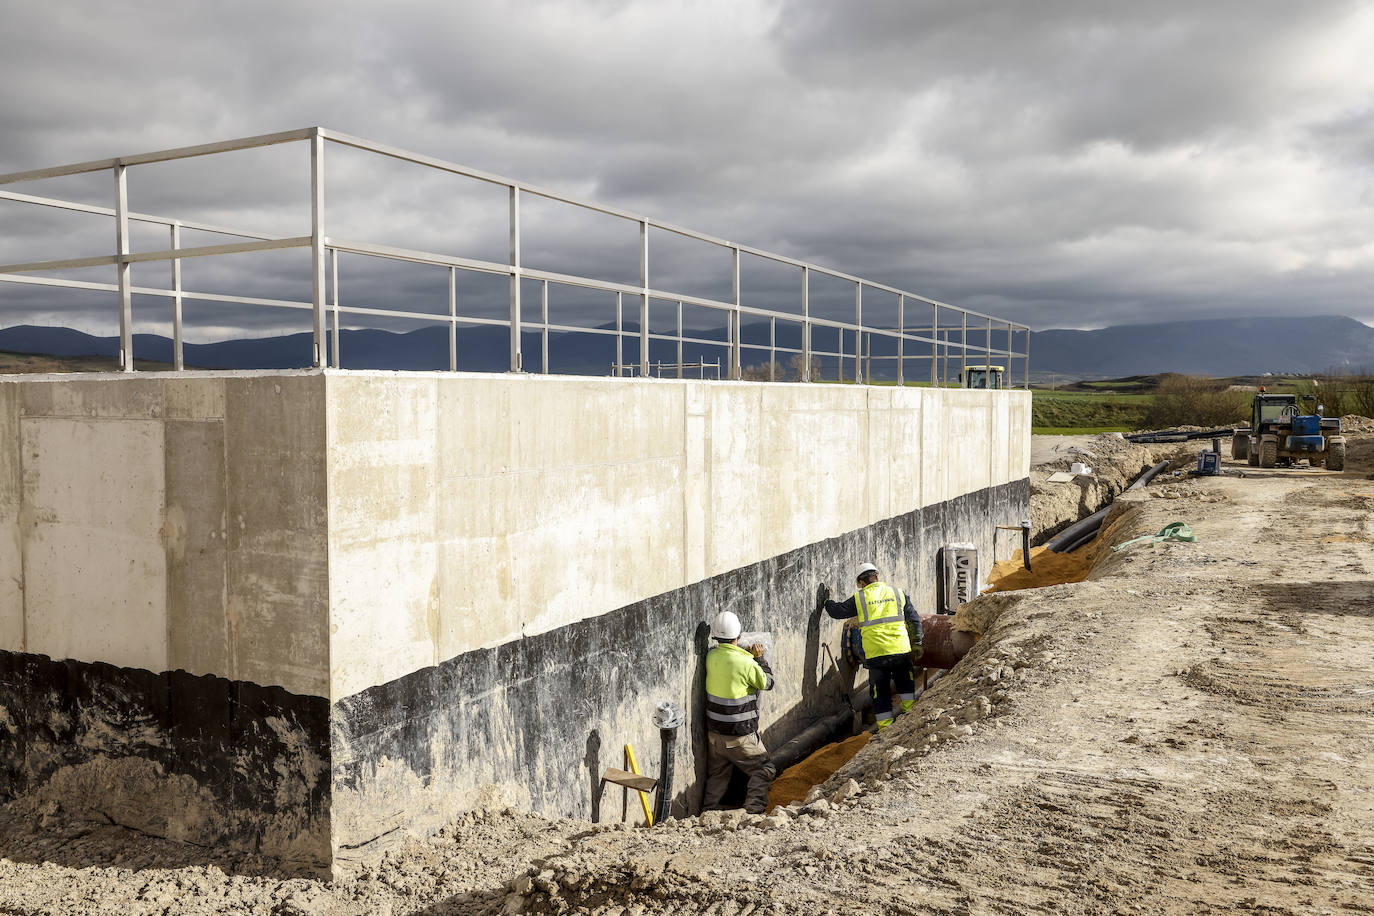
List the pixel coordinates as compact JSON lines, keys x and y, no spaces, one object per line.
{"x":1188,"y":730}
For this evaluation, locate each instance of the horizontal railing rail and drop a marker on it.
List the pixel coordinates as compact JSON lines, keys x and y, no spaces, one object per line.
{"x":927,"y":331}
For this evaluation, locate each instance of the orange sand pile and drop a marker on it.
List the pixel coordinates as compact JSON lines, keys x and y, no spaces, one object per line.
{"x":1047,"y":568}
{"x":796,"y":781}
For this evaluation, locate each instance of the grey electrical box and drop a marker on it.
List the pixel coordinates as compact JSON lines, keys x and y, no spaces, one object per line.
{"x":958,"y":576}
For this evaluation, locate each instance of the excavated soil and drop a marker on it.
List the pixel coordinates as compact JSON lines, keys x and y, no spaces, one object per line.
{"x":1188,"y":730}
{"x":1115,"y":463}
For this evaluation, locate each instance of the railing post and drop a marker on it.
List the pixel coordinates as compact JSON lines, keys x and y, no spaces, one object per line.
{"x":806,"y":325}
{"x":963,"y":353}
{"x":901,"y":339}
{"x":989,"y":346}
{"x":452,"y":319}
{"x":644,"y":298}
{"x":1009,"y":359}
{"x":1028,"y":337}
{"x":858,"y":333}
{"x":515,"y":279}
{"x":317,"y":278}
{"x":334,"y":298}
{"x":126,"y":301}
{"x":177,"y":361}
{"x":934,"y":344}
{"x":544,"y":317}
{"x":735,"y":322}
{"x":679,"y":339}
{"x":772,"y":349}
{"x":619,"y":335}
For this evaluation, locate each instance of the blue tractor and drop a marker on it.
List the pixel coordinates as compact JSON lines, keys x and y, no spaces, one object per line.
{"x":1281,"y":436}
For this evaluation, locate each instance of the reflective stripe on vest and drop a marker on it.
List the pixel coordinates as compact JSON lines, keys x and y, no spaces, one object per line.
{"x":882,"y":625}
{"x":729,"y":717}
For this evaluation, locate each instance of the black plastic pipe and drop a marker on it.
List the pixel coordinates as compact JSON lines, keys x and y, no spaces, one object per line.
{"x":1171,"y":435}
{"x":811,"y":739}
{"x":1073,"y":536}
{"x":665,"y":774}
{"x":1087,"y":536}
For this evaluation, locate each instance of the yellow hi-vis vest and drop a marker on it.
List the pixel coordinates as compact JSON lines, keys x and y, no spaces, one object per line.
{"x":882,"y":625}
{"x":733,"y":680}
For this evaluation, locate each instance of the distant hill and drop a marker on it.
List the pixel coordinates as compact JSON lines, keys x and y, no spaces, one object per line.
{"x":1215,"y":347}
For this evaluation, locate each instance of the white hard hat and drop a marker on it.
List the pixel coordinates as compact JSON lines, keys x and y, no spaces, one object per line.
{"x":725,"y":626}
{"x":866,"y":568}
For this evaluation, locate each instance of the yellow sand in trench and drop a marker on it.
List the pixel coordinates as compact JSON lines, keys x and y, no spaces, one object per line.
{"x":1047,"y":568}
{"x":797,"y":780}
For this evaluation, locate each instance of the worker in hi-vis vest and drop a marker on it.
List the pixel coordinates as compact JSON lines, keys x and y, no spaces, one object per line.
{"x":890,"y":630}
{"x":734,"y":677}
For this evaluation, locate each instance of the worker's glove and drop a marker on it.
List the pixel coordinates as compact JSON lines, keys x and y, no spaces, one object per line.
{"x":822,"y":596}
{"x":756,"y":650}
{"x":916,"y":652}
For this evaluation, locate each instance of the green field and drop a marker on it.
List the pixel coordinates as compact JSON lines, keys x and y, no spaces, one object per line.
{"x":1072,"y":413}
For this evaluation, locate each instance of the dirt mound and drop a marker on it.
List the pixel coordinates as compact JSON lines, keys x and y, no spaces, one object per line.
{"x":1115,"y":463}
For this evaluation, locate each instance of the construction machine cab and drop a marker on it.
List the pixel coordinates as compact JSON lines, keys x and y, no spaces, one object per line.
{"x":1269,"y":409}
{"x":984,"y":377}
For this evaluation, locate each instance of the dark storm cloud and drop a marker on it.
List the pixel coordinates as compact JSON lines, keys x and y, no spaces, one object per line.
{"x":1061,"y":163}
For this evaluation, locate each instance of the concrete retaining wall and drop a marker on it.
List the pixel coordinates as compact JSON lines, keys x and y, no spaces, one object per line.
{"x":460,"y":587}
{"x":164,"y":645}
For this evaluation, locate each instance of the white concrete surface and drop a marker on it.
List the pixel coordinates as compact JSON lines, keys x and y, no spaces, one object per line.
{"x":164,"y":522}
{"x":466,"y":510}
{"x":330,"y":531}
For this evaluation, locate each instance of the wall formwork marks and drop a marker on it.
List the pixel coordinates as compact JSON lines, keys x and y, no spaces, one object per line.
{"x":425,"y":591}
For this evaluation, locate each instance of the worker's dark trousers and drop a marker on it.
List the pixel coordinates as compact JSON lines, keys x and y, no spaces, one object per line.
{"x":885,"y":673}
{"x":746,"y":752}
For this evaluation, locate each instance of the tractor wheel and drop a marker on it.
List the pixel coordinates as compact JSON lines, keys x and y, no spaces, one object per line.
{"x":1252,"y":454}
{"x":1335,"y":456}
{"x":1269,"y":453}
{"x":1240,"y":447}
{"x":1317,"y":460}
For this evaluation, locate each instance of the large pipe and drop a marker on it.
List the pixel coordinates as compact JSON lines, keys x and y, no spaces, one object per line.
{"x":943,"y":644}
{"x":804,"y":743}
{"x":809,"y":740}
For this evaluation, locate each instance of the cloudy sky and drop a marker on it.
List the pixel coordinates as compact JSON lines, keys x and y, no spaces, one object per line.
{"x":1066,"y":163}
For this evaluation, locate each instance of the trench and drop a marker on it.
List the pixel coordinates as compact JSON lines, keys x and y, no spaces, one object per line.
{"x":848,"y":732}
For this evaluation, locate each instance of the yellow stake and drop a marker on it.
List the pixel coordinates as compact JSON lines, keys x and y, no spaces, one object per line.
{"x":643,"y":797}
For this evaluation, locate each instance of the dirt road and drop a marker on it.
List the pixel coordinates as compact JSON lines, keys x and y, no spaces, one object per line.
{"x":1190,"y":730}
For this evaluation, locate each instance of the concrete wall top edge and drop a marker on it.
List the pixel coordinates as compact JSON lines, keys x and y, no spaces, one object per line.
{"x":20,"y":377}
{"x":530,"y":377}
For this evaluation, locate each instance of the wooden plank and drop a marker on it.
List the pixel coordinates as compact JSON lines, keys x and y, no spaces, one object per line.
{"x":630,"y":780}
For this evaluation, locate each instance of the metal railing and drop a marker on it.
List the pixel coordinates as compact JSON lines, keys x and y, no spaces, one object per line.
{"x":952,"y":337}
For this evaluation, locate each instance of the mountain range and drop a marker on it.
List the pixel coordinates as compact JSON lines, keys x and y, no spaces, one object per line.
{"x":1214,"y":347}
